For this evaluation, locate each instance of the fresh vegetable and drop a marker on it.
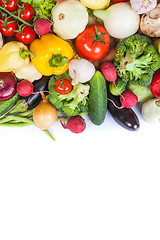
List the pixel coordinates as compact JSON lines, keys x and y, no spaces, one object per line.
{"x":13,"y":55}
{"x":81,"y":70}
{"x":73,"y":103}
{"x":70,"y":18}
{"x":75,"y":124}
{"x":117,"y":88}
{"x":136,"y":60}
{"x":7,"y":85}
{"x":45,"y":114}
{"x":151,"y":111}
{"x":20,"y":119}
{"x":97,"y":99}
{"x":5,"y":106}
{"x":24,"y":88}
{"x":109,"y":72}
{"x":142,"y":92}
{"x":155,"y":84}
{"x":93,"y":43}
{"x":9,"y":5}
{"x":115,"y":22}
{"x":143,"y":6}
{"x":39,"y":85}
{"x":125,"y":117}
{"x":8,"y":26}
{"x":94,"y":4}
{"x":128,"y":99}
{"x":52,"y":54}
{"x":28,"y":72}
{"x":43,"y":8}
{"x":27,"y":35}
{"x":63,"y":86}
{"x":26,"y":11}
{"x":42,"y":26}
{"x":149,"y":24}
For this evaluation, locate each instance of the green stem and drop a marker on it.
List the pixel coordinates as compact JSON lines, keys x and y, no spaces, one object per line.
{"x":24,"y":53}
{"x":15,"y":17}
{"x":8,"y":124}
{"x":49,"y":134}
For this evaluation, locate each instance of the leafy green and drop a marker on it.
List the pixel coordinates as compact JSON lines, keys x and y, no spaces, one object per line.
{"x":42,"y":7}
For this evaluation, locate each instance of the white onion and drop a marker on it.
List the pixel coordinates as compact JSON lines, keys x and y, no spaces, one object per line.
{"x":119,"y":20}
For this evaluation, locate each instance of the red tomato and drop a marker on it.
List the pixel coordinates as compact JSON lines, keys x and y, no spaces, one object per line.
{"x":155,"y":84}
{"x":26,"y":12}
{"x":63,"y":86}
{"x":8,"y":26}
{"x":27,"y":35}
{"x":93,"y":43}
{"x":117,"y":1}
{"x":10,"y":5}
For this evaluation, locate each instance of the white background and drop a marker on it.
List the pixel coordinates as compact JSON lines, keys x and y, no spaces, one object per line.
{"x":102,"y":184}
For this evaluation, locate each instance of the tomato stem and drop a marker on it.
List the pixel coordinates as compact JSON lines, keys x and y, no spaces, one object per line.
{"x":16,"y":17}
{"x":97,"y":37}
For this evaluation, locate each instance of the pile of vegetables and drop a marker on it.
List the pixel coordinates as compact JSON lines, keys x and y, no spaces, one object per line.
{"x":62,"y":60}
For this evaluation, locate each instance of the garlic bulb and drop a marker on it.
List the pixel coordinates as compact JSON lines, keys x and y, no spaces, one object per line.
{"x":81,"y":70}
{"x":70,"y":18}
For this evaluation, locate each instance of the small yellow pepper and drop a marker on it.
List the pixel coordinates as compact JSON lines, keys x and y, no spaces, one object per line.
{"x":52,"y":54}
{"x":13,"y":55}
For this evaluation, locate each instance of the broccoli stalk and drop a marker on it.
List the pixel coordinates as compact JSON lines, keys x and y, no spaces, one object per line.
{"x":136,"y":60}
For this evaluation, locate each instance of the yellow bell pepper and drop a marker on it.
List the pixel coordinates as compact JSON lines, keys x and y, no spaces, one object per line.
{"x":52,"y":54}
{"x":13,"y":55}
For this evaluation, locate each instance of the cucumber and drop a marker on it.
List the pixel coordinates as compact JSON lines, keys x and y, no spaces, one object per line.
{"x":5,"y":106}
{"x":97,"y":106}
{"x":120,"y":87}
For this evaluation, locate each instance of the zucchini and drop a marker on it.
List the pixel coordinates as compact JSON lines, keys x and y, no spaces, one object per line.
{"x":97,"y":106}
{"x":5,"y":106}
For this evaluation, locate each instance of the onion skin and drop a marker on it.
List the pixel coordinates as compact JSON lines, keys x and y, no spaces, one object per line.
{"x":8,"y":84}
{"x":45,"y":115}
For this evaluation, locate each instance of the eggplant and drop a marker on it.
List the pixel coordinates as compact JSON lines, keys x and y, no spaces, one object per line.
{"x":39,"y":85}
{"x":125,"y":117}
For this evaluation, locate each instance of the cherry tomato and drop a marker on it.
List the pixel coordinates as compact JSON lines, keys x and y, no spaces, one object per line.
{"x":10,"y":5}
{"x":93,"y":43}
{"x":155,"y":84}
{"x":117,"y":1}
{"x":27,"y":35}
{"x":26,"y":12}
{"x":8,"y":26}
{"x":63,"y":86}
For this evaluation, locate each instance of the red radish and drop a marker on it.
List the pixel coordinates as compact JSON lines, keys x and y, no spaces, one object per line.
{"x":128,"y":99}
{"x":24,"y":88}
{"x":109,"y":71}
{"x":8,"y":83}
{"x":42,"y":26}
{"x":75,"y":124}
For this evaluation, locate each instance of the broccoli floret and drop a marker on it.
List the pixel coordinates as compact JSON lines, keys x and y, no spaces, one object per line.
{"x":72,"y":103}
{"x":136,"y":60}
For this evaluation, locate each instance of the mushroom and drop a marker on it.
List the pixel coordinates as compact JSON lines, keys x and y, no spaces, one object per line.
{"x":143,"y":6}
{"x":150,"y":22}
